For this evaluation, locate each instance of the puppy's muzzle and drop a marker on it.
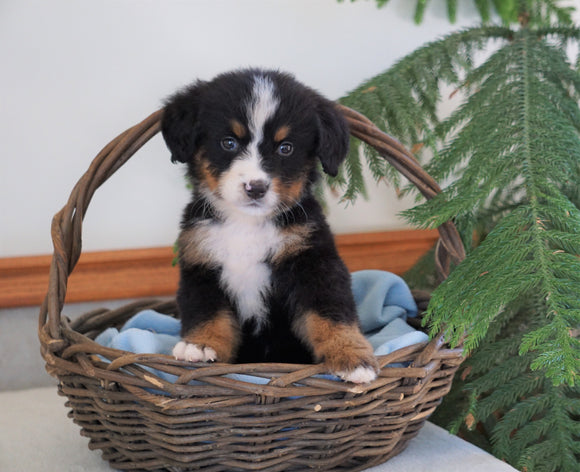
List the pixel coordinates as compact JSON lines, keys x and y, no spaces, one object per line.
{"x":256,"y":189}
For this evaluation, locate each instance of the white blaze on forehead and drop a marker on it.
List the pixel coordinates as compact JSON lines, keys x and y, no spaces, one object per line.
{"x":262,"y":107}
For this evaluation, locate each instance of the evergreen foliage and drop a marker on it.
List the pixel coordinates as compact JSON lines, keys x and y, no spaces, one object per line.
{"x":508,"y":10}
{"x":511,"y":154}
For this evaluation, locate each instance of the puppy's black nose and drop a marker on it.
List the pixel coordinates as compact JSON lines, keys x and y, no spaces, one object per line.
{"x":256,"y":189}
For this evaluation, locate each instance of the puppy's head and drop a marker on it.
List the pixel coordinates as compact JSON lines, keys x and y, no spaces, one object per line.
{"x":251,"y":139}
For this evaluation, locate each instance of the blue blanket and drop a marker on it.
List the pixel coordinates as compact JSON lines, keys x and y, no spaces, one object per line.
{"x":383,"y":303}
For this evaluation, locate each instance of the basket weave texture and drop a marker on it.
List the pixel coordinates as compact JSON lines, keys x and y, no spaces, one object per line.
{"x":296,"y":421}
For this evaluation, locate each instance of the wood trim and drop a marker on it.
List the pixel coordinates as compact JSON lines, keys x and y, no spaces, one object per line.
{"x":137,"y":273}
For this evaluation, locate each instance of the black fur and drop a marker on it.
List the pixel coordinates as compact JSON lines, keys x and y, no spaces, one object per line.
{"x":313,"y":279}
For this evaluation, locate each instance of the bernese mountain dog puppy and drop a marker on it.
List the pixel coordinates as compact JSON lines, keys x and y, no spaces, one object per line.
{"x":260,"y":276}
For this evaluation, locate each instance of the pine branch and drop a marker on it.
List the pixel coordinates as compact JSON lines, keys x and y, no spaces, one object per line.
{"x":537,"y":433}
{"x":535,"y":12}
{"x":504,"y":142}
{"x":483,"y":7}
{"x":404,"y":99}
{"x":512,"y":154}
{"x":510,"y":174}
{"x":530,"y":422}
{"x":420,"y":10}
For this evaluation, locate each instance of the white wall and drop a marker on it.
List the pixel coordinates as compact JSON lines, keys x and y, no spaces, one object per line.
{"x":75,"y":73}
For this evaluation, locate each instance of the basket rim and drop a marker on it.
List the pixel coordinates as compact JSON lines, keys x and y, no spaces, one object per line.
{"x":287,"y":379}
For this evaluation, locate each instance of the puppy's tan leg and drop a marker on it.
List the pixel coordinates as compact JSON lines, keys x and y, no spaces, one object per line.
{"x":217,"y":339}
{"x":341,"y":346}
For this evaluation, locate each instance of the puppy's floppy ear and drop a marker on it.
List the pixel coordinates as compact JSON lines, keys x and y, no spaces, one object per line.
{"x":180,"y":126}
{"x":333,"y":136}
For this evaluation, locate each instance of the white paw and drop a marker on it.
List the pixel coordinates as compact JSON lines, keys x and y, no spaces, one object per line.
{"x":360,"y":375}
{"x":193,"y":353}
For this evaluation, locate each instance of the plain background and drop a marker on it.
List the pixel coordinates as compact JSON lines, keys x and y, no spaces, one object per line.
{"x":76,"y":73}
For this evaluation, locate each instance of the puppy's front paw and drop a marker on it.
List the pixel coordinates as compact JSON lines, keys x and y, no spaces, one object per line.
{"x":193,"y":352}
{"x":353,"y":362}
{"x":341,"y":346}
{"x":360,"y":375}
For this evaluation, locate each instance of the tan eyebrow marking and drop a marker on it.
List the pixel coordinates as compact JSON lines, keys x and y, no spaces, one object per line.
{"x":238,"y":129}
{"x":282,"y":133}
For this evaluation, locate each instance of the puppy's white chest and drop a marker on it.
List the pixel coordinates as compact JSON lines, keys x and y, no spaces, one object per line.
{"x":241,"y":248}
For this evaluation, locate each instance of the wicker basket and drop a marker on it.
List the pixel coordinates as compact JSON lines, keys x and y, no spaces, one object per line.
{"x":296,"y":421}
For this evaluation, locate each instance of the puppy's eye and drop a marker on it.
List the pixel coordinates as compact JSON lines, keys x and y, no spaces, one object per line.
{"x":229,"y":144}
{"x":285,"y":149}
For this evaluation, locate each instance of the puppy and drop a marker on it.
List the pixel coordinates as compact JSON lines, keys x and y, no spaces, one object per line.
{"x":260,"y":276}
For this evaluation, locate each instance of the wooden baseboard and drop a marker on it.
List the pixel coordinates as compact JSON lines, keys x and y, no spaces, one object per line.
{"x":137,"y":273}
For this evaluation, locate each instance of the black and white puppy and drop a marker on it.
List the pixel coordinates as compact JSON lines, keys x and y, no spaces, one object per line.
{"x":261,"y":279}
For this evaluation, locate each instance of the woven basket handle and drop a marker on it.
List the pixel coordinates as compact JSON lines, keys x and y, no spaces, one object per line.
{"x":67,"y":224}
{"x":450,"y":244}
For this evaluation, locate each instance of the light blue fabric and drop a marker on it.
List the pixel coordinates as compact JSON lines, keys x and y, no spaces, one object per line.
{"x":383,"y":303}
{"x":381,"y":297}
{"x":139,"y":341}
{"x":146,"y":332}
{"x":149,"y":320}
